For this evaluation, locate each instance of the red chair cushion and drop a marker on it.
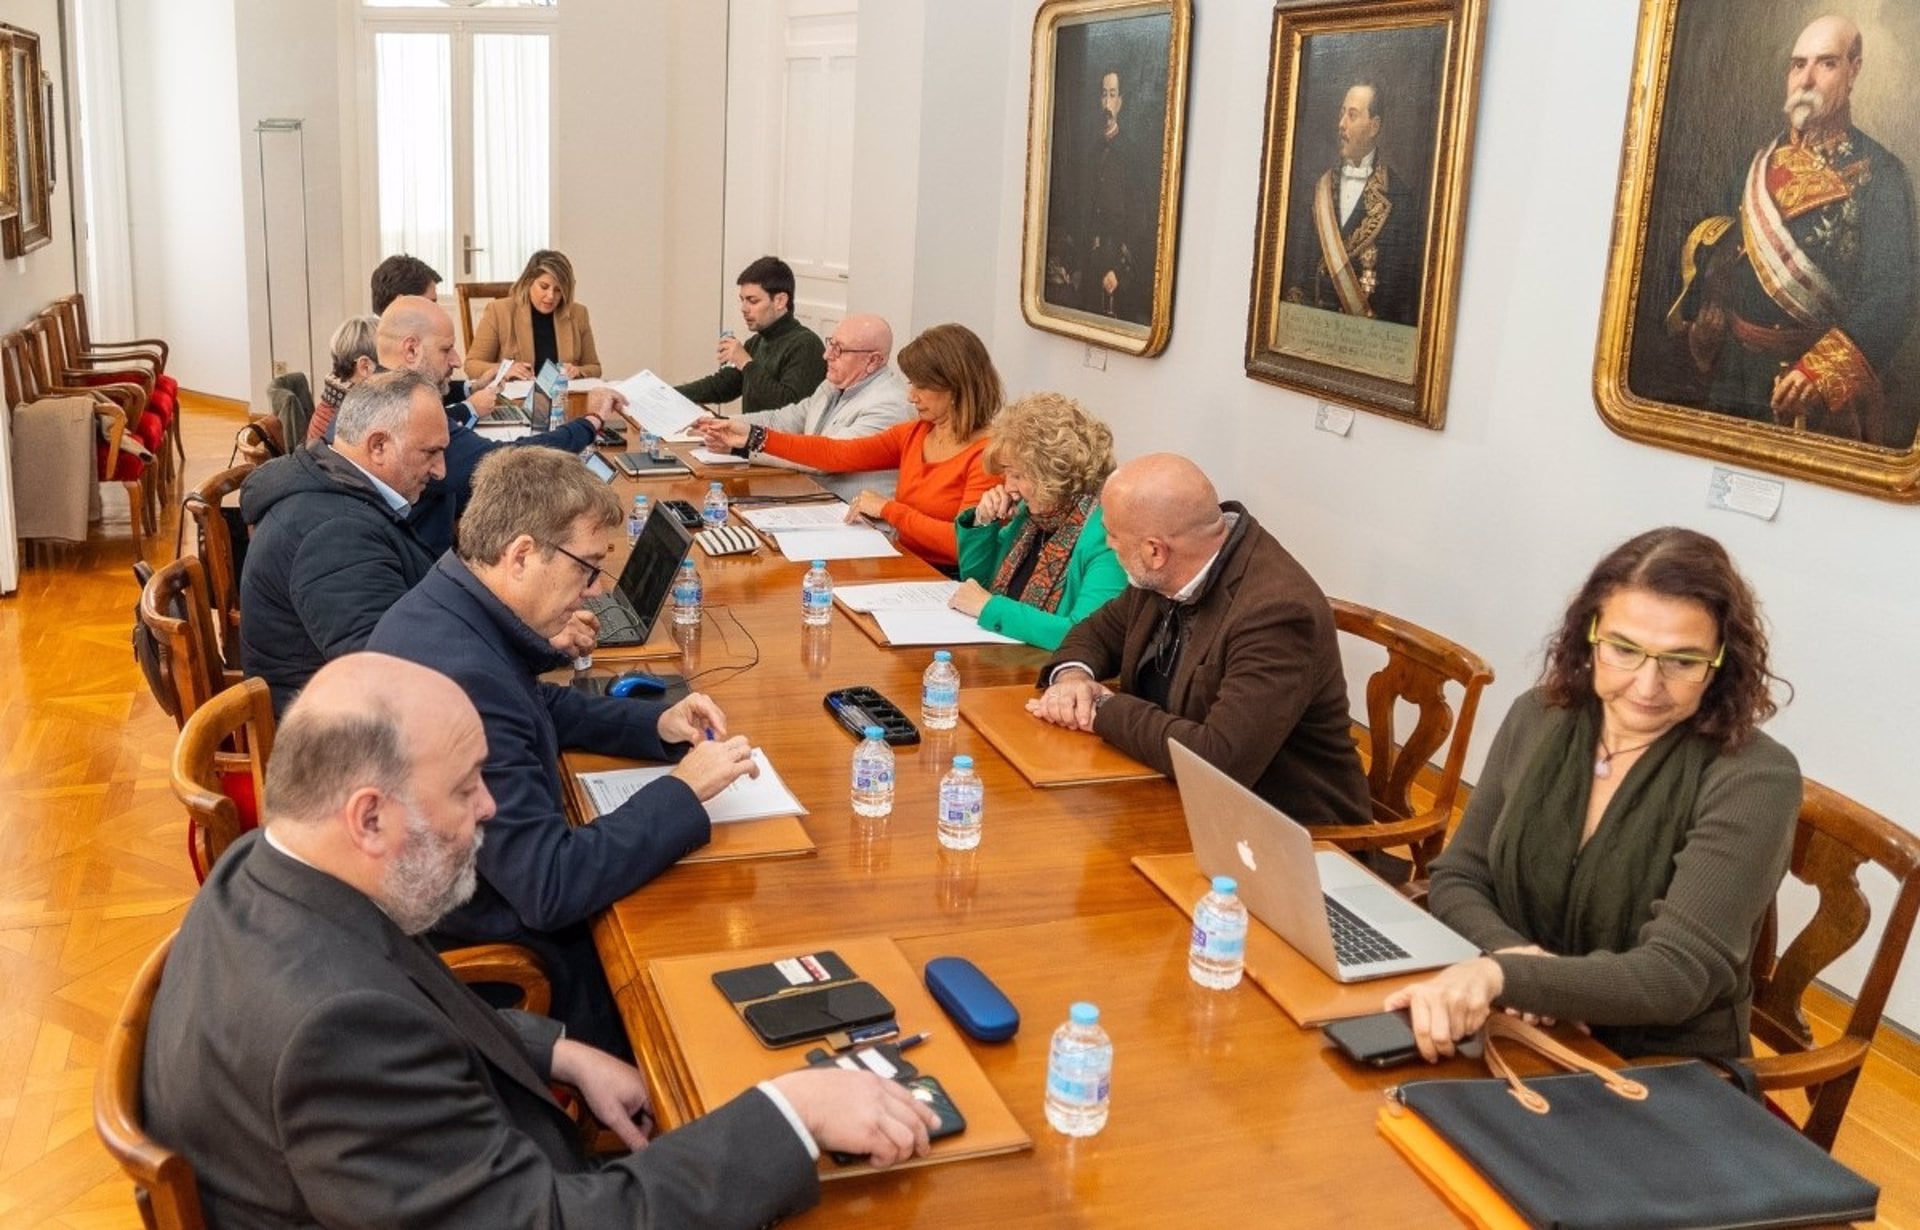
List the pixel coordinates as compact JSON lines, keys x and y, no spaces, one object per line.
{"x":126,"y":469}
{"x":236,"y":784}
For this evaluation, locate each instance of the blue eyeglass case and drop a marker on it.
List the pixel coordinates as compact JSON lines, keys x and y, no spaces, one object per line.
{"x":980,"y":1009}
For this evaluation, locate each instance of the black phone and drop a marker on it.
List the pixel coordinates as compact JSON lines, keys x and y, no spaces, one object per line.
{"x":1383,"y":1040}
{"x":800,"y":1015}
{"x":933,"y":1094}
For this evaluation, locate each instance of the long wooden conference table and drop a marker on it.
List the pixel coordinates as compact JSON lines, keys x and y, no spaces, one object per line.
{"x":1222,"y":1108}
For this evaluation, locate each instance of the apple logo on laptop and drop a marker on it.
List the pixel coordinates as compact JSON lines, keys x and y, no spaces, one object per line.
{"x":1246,"y":854}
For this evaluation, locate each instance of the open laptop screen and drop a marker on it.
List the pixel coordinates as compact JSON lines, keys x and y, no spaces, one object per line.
{"x":648,"y":574}
{"x":540,"y":397}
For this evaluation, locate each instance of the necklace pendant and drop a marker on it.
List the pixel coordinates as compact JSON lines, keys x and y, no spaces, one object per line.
{"x":1603,"y":766}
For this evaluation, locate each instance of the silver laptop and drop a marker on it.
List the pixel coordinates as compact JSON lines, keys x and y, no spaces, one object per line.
{"x":1336,"y":913}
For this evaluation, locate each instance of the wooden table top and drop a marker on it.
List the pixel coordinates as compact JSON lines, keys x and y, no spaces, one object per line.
{"x":1219,"y":1099}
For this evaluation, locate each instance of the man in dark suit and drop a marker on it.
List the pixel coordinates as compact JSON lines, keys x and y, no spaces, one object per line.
{"x":489,"y":617}
{"x":1354,"y":245}
{"x":318,"y":1064}
{"x":1222,"y":642}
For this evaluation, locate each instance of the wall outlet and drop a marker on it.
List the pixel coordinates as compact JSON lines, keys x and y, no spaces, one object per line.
{"x":1096,"y":359}
{"x":279,"y":367}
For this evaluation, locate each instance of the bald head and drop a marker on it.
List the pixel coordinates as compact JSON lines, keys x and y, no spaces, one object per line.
{"x":415,"y":334}
{"x":1163,"y":520}
{"x":858,"y":348}
{"x":1821,"y":72}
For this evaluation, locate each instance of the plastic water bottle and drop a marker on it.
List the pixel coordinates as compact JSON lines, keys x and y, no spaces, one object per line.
{"x":873,"y":775}
{"x":1079,"y":1073}
{"x":686,"y":594}
{"x":713,"y":509}
{"x":816,"y":595}
{"x":940,"y":693}
{"x":557,"y":416}
{"x":651,"y":446}
{"x":1218,"y":954}
{"x":637,"y":518}
{"x":962,"y":805}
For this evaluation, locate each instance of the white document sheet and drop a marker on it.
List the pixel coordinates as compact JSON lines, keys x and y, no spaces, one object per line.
{"x":843,"y":542}
{"x":896,"y":595}
{"x":516,"y":390}
{"x":936,"y":627}
{"x":772,"y":518}
{"x":502,"y":431}
{"x":654,"y":406}
{"x":704,"y":457}
{"x":749,"y":798}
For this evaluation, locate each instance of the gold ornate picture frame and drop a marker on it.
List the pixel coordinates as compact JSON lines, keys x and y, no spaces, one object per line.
{"x":28,"y":146}
{"x":9,"y":113}
{"x":1762,"y":288}
{"x":1363,"y":185}
{"x":1106,"y":132}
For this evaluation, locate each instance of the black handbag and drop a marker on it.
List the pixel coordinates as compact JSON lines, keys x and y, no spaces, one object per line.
{"x":1665,"y":1145}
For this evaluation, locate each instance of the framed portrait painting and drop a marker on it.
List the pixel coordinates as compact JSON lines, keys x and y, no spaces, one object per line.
{"x":1762,"y":288}
{"x":9,"y":117}
{"x":1363,"y":200}
{"x":30,"y":225}
{"x":1105,"y":131}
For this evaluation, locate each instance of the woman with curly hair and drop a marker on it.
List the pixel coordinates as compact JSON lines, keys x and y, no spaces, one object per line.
{"x":1632,"y":824}
{"x":1034,"y":559}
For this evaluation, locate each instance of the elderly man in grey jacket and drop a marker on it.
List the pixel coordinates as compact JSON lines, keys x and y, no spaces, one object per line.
{"x":862,"y":396}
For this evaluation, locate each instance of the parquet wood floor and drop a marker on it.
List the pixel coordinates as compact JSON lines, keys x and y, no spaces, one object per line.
{"x":93,"y":871}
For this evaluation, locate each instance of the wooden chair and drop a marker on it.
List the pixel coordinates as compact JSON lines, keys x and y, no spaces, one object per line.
{"x":23,"y":380}
{"x":1834,"y":838}
{"x":469,"y":293}
{"x":1419,"y":666}
{"x":214,"y":535}
{"x":176,"y":607}
{"x":67,"y":365}
{"x":164,"y":1187}
{"x":150,"y":353}
{"x":220,"y":769}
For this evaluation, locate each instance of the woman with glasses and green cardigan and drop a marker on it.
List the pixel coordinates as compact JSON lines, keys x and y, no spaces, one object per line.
{"x":1631,"y":825}
{"x":1034,"y":559}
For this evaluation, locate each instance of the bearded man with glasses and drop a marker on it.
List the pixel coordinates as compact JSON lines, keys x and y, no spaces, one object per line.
{"x":493,"y":615}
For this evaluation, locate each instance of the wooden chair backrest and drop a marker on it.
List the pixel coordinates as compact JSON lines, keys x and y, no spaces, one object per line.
{"x":152,"y":347}
{"x":1835,"y":838}
{"x":470,"y":293}
{"x":215,"y":539}
{"x":243,"y":715}
{"x":1419,"y":665}
{"x":165,"y":1190}
{"x":176,"y":607}
{"x":13,"y":369}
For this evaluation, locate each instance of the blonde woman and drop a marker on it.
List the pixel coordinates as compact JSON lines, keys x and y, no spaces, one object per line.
{"x":538,"y":321}
{"x":1034,"y":559}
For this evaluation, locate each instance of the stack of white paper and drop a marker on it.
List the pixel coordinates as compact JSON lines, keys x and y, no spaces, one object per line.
{"x":896,"y":596}
{"x":653,"y":405}
{"x":916,"y":613}
{"x":842,"y":542}
{"x":772,"y":518}
{"x":708,"y":457}
{"x":748,"y":798}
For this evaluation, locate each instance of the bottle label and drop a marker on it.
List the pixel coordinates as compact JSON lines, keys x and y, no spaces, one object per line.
{"x":1080,"y":1089}
{"x":934,"y":694}
{"x":872,"y":777}
{"x":817,"y":599}
{"x":1221,"y":945}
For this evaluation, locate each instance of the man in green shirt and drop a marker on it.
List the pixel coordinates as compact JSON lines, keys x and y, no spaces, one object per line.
{"x":781,"y":363}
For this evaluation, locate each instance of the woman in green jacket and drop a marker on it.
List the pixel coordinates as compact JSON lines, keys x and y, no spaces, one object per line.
{"x":1034,"y":559}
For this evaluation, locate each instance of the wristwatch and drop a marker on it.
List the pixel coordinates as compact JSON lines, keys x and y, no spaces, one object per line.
{"x":756,"y":441}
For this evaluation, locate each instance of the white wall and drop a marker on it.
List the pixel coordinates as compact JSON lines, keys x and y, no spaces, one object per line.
{"x":29,"y":283}
{"x":184,"y":185}
{"x":887,"y":155}
{"x":1480,"y":531}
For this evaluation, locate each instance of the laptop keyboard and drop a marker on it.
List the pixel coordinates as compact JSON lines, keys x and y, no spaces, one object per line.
{"x":1356,"y":943}
{"x":616,"y":625}
{"x":504,"y":415}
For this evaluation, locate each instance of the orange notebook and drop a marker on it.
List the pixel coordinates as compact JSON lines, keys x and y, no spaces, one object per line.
{"x":1469,"y":1194}
{"x":1299,"y":986}
{"x":720,"y":1055}
{"x":777,"y":837}
{"x":1046,"y":755}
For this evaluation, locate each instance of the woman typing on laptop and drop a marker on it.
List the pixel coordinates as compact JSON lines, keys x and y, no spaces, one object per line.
{"x":1632,"y":824}
{"x":1034,"y":559}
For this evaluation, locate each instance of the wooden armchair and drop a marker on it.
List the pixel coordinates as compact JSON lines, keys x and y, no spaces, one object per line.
{"x":146,"y":345}
{"x":218,"y":557}
{"x":23,"y":380}
{"x":176,"y":608}
{"x":164,"y":1188}
{"x":1835,"y":837}
{"x":1419,"y":666}
{"x":470,"y":293}
{"x":68,"y":364}
{"x":220,"y":769}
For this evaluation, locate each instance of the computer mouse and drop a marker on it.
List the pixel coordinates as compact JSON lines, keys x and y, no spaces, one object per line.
{"x":637,"y":681}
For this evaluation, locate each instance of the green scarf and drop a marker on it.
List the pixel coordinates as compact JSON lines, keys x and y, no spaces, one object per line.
{"x":1570,"y":900}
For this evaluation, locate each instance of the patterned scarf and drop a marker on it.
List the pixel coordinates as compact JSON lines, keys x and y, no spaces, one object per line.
{"x":1054,"y":536}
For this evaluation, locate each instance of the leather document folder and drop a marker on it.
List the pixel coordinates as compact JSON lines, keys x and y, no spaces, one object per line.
{"x":776,"y":837}
{"x":1295,"y":983}
{"x":1046,"y":755}
{"x":720,"y":1056}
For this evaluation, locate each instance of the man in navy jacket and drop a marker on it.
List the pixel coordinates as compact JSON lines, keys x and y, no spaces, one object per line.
{"x":489,"y":617}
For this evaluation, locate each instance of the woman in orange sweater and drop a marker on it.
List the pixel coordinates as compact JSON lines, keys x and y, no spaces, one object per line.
{"x":956,"y":392}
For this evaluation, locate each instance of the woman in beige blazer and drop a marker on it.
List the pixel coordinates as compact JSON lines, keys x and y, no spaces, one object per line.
{"x":537,"y":321}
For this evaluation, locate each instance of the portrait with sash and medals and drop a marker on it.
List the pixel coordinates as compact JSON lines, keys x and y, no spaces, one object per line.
{"x":1362,"y":199}
{"x":1761,"y":295}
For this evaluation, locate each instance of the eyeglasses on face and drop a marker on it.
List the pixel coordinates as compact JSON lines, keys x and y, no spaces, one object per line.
{"x":834,"y":348}
{"x":595,"y":573}
{"x":1626,"y":656}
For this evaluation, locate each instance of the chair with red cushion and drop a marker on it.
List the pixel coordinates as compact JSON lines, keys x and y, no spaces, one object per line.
{"x":149,"y":351}
{"x":23,"y":381}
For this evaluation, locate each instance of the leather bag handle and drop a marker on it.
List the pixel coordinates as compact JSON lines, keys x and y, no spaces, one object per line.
{"x":1517,"y":1031}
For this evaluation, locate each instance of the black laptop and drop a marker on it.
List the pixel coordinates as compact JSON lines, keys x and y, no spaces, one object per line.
{"x":627,"y":615}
